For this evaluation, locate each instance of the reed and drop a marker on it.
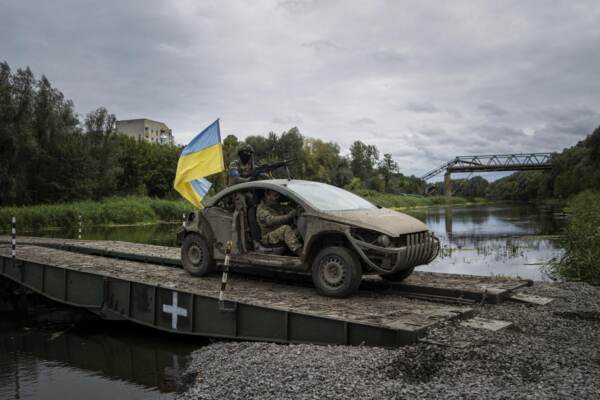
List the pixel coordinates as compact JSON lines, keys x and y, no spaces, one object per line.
{"x":580,"y":240}
{"x":110,"y":211}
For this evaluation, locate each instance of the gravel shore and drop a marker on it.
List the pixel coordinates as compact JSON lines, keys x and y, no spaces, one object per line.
{"x":550,"y":352}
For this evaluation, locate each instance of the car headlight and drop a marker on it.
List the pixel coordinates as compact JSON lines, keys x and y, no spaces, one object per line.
{"x":384,"y":240}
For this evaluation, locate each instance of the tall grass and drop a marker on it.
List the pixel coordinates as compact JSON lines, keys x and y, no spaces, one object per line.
{"x":408,"y":201}
{"x":111,"y":211}
{"x":581,"y":241}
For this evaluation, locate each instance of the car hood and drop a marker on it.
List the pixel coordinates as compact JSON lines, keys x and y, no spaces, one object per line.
{"x":383,"y":220}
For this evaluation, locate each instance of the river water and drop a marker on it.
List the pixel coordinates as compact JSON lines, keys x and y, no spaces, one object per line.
{"x":100,"y":359}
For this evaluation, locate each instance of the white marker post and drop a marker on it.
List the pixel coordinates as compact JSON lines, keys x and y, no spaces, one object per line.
{"x":225,"y":305}
{"x":225,"y":272}
{"x":79,"y":229}
{"x":183,"y":217}
{"x":14,"y":239}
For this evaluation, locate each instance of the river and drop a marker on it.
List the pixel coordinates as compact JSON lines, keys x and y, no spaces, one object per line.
{"x":46,"y":359}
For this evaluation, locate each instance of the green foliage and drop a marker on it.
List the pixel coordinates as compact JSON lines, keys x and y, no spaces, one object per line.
{"x":581,"y":241}
{"x":389,"y":200}
{"x":388,"y":168}
{"x":115,"y":210}
{"x":575,"y":169}
{"x":46,"y":157}
{"x":363,"y":159}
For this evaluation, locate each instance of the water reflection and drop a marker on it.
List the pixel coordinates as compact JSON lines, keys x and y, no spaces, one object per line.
{"x":99,"y":361}
{"x":493,"y":240}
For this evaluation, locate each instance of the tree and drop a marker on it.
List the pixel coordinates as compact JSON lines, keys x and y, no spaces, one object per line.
{"x":100,"y":122}
{"x":388,"y":168}
{"x":362,"y":159}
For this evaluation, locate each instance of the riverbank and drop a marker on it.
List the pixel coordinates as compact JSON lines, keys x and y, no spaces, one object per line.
{"x":549,"y":352}
{"x":401,"y":202}
{"x":138,"y":210}
{"x":112,"y":211}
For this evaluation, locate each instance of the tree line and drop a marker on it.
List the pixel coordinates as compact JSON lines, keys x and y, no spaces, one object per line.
{"x":50,"y":154}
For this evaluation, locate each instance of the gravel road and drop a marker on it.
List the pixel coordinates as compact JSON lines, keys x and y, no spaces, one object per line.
{"x":550,"y":352}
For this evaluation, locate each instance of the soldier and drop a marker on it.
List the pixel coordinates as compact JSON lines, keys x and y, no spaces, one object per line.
{"x":274,"y":220}
{"x":242,"y":170}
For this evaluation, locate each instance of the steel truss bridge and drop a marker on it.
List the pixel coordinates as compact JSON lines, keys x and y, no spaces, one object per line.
{"x":495,"y":162}
{"x":490,"y":163}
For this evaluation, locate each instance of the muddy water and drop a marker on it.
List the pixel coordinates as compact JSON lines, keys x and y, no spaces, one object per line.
{"x":121,"y":360}
{"x":507,"y":240}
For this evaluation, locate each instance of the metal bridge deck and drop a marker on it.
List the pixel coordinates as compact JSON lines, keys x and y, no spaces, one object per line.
{"x":169,"y":299}
{"x":435,"y":286}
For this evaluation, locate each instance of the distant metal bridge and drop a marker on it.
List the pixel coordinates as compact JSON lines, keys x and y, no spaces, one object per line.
{"x":494,"y":162}
{"x":490,"y":163}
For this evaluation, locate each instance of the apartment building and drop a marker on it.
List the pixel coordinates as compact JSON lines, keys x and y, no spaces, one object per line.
{"x":146,"y":129}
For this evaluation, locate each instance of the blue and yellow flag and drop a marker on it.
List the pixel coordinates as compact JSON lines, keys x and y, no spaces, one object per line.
{"x":202,"y":157}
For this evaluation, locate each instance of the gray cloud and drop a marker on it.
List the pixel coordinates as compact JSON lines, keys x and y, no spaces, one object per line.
{"x":421,"y":107}
{"x":365,"y":121}
{"x":492,"y":110}
{"x":461,"y":83}
{"x":322,"y":45}
{"x":288,"y":120}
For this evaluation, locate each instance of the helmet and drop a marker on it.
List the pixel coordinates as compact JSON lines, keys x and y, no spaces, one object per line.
{"x":245,"y":148}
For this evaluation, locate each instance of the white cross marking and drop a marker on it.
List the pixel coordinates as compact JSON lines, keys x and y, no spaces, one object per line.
{"x":174,"y":311}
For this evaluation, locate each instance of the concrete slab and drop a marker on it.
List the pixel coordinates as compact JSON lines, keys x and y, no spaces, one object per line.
{"x":487,"y":324}
{"x":530,"y":299}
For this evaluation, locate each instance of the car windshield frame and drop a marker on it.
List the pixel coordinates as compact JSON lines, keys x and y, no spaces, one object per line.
{"x":328,"y":198}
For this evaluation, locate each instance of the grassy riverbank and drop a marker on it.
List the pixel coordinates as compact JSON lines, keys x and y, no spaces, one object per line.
{"x":111,"y":211}
{"x":140,"y":210}
{"x":412,"y":201}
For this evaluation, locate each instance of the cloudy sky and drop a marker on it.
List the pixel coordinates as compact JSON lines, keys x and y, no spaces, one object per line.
{"x":425,"y":81}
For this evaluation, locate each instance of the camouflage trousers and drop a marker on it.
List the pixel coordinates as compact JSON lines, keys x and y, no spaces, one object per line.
{"x":284,"y":233}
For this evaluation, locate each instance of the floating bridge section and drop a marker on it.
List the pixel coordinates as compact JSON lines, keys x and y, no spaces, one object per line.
{"x":127,"y":282}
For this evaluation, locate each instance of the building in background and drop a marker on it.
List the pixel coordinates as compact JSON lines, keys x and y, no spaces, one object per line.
{"x":146,"y":129}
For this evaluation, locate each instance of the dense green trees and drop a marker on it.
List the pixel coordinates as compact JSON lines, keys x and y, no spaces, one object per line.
{"x":47,"y":155}
{"x":574,"y":170}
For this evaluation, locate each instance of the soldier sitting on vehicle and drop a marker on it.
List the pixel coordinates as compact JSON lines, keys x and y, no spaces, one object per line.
{"x":243,"y":170}
{"x":275,"y":220}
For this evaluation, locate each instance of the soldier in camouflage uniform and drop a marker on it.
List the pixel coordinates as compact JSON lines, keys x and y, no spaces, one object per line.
{"x":274,"y":220}
{"x":242,"y":170}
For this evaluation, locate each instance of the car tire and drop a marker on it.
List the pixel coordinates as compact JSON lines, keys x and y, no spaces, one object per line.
{"x":398,"y":276}
{"x":336,"y":272}
{"x":196,"y":255}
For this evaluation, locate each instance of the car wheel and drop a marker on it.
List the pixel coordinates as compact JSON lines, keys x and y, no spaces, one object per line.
{"x":196,"y":256}
{"x":398,"y":276}
{"x":336,"y":272}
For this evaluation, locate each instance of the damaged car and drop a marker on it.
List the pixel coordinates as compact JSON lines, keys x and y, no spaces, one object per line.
{"x":343,"y":235}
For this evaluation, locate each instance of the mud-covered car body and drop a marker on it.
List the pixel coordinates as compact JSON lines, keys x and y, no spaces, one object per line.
{"x":384,"y":241}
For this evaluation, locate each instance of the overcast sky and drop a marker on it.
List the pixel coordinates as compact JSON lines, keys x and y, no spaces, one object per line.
{"x":424,"y":81}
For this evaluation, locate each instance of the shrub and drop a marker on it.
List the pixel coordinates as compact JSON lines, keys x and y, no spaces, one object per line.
{"x":580,"y":241}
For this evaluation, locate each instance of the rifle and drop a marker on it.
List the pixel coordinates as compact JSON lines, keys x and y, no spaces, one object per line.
{"x":266,"y":168}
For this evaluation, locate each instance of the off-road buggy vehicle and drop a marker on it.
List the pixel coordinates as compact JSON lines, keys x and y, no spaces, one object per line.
{"x":344,"y":236}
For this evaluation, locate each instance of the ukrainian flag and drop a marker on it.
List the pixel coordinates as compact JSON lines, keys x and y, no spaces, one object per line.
{"x":202,"y":157}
